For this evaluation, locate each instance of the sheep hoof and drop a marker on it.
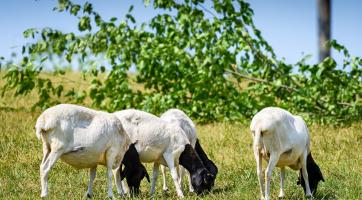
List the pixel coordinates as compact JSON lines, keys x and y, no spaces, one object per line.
{"x":122,"y":195}
{"x":89,"y":196}
{"x":44,"y":195}
{"x":165,"y":190}
{"x":309,"y":196}
{"x":166,"y":193}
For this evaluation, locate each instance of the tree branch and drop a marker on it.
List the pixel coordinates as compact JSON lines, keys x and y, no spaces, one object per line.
{"x":290,"y":89}
{"x":259,"y":80}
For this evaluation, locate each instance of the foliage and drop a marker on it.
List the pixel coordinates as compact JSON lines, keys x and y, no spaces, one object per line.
{"x":191,"y":57}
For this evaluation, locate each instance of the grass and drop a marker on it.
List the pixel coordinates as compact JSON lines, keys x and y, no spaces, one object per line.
{"x":336,"y":150}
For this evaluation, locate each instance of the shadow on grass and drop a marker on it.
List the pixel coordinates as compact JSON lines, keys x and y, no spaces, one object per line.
{"x":216,"y":191}
{"x":324,"y":196}
{"x":11,"y":109}
{"x":220,"y":190}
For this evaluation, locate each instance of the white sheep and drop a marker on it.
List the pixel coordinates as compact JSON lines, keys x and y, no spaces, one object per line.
{"x":82,"y":138}
{"x":283,"y":140}
{"x":164,"y":143}
{"x":179,"y":118}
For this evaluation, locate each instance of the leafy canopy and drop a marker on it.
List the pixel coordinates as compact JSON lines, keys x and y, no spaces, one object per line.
{"x":206,"y":58}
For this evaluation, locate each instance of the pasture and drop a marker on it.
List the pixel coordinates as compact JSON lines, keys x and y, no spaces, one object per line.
{"x":337,"y":150}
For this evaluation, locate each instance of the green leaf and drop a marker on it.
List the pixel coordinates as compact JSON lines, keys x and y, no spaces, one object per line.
{"x":130,"y":9}
{"x":88,"y":8}
{"x":84,"y":24}
{"x":103,"y":69}
{"x":74,"y":10}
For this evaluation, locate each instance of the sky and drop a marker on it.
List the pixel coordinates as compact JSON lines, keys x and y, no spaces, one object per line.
{"x":290,"y":26}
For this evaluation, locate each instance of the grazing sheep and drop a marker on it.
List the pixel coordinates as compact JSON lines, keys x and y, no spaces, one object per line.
{"x":283,"y":140}
{"x":163,"y":143}
{"x":182,"y":120}
{"x":82,"y":138}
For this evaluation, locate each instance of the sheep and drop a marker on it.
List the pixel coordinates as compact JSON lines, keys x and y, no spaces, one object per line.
{"x":163,"y":143}
{"x":283,"y":140}
{"x":82,"y":138}
{"x":182,"y":120}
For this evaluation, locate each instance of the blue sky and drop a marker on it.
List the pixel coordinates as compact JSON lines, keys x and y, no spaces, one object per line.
{"x":290,"y":26}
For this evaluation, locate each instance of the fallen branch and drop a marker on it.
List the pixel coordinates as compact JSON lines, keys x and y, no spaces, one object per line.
{"x":259,"y":80}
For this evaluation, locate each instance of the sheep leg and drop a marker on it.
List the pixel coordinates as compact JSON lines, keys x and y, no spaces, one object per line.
{"x":92,"y":176}
{"x":268,"y":173}
{"x":125,"y":187}
{"x":169,"y":158}
{"x":308,"y":193}
{"x":180,"y":174}
{"x":45,"y":168}
{"x":46,"y":151}
{"x":191,"y":188}
{"x":156,"y":167}
{"x":163,"y":170}
{"x":259,"y":171}
{"x":183,"y":172}
{"x":117,"y":180}
{"x":282,"y":176}
{"x":110,"y":159}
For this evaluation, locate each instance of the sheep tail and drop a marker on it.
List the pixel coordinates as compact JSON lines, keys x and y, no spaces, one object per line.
{"x":42,"y":126}
{"x":257,"y":140}
{"x":38,"y":133}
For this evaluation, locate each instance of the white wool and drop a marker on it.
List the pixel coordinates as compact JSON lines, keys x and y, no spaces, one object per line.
{"x":283,"y":140}
{"x":158,"y":141}
{"x":83,"y":138}
{"x":180,"y":119}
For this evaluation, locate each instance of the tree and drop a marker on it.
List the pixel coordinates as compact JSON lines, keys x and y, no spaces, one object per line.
{"x":196,"y":58}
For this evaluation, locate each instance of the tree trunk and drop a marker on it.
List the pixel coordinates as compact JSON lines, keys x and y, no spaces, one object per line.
{"x":324,"y":28}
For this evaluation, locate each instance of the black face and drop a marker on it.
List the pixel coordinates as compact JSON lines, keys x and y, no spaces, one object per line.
{"x":133,"y":171}
{"x":134,"y":178}
{"x":314,"y":175}
{"x":202,"y":181}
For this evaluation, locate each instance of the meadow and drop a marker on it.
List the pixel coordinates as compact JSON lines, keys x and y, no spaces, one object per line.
{"x":337,"y":150}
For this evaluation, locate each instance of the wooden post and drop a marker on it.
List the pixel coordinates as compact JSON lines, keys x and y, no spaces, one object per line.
{"x":324,"y":28}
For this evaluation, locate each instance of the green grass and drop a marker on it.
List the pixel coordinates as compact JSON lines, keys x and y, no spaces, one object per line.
{"x":338,"y":151}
